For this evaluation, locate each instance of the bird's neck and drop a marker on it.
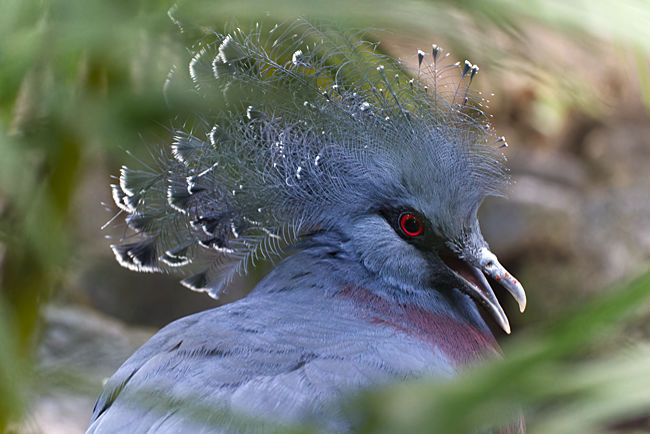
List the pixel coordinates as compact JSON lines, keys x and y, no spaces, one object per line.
{"x":444,"y":319}
{"x":438,"y":324}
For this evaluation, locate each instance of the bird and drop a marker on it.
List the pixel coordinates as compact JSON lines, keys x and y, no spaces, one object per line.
{"x":359,"y":176}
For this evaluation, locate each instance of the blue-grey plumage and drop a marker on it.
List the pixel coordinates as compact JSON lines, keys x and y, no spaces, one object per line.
{"x":372,"y":176}
{"x":317,"y":328}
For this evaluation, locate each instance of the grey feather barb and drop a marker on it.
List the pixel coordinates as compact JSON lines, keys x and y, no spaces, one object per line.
{"x":310,"y":122}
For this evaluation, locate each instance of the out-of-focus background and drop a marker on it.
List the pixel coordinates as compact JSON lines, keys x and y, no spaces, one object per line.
{"x":81,"y":83}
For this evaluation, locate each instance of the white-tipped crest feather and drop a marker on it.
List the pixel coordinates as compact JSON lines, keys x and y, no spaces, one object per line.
{"x":320,"y":124}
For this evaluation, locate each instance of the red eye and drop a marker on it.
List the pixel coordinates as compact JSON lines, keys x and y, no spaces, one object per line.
{"x":411,"y":225}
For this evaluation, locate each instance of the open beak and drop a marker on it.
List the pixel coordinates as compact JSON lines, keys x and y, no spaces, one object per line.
{"x":473,"y":272}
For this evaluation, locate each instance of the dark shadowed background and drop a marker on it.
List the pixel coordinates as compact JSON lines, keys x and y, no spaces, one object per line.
{"x":81,"y":83}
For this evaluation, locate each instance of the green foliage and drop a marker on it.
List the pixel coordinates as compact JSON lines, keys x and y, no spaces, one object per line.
{"x":11,"y":374}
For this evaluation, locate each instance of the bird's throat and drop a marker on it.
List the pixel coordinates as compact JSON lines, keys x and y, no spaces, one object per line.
{"x":458,"y":340}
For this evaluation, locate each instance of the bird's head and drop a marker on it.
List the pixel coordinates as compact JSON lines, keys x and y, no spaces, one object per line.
{"x":320,"y":132}
{"x":417,"y":225}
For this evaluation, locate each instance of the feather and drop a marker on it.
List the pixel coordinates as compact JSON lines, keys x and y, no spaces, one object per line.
{"x":119,"y":197}
{"x":140,"y":222}
{"x":196,"y":282}
{"x":178,"y":197}
{"x":137,"y":256}
{"x":133,"y":181}
{"x":186,"y":148}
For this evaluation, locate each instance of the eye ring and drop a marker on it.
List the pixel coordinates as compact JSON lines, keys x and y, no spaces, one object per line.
{"x":411,"y":224}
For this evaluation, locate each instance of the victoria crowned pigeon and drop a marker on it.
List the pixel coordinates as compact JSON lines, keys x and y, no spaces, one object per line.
{"x":365,"y":176}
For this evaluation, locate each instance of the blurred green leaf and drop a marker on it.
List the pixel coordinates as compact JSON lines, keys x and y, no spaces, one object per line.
{"x":11,"y":374}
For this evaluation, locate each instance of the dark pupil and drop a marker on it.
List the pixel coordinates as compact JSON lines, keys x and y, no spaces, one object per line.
{"x":411,"y":225}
